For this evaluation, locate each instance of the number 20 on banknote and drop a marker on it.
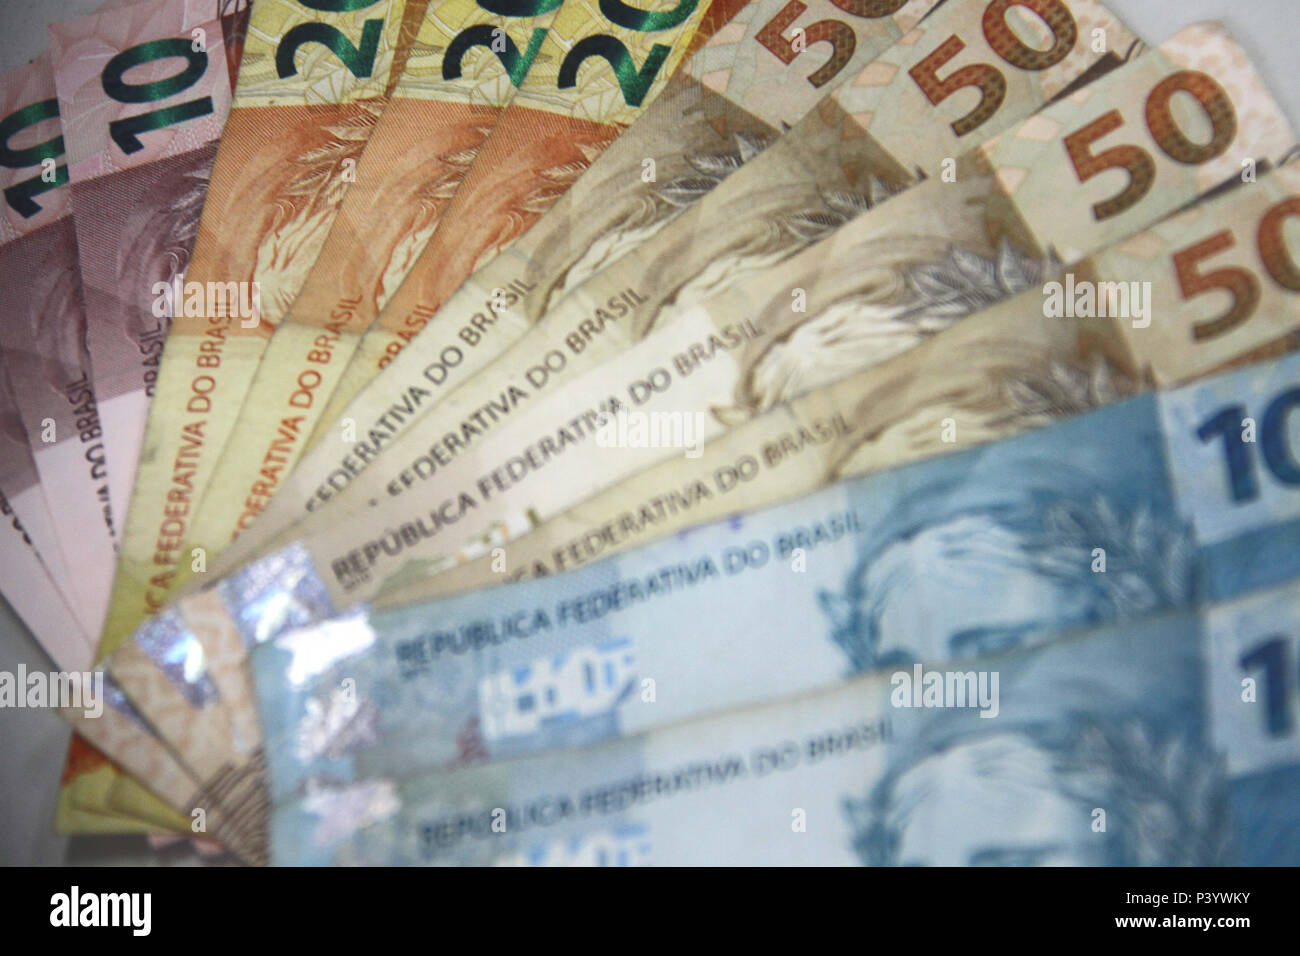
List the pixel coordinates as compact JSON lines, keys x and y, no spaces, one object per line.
{"x":634,"y":82}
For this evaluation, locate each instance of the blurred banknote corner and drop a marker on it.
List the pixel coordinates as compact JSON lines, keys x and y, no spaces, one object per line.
{"x":34,"y":741}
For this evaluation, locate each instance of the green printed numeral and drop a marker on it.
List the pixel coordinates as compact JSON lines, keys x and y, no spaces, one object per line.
{"x":20,"y":120}
{"x":22,"y":196}
{"x":125,"y":132}
{"x":646,"y":21}
{"x":115,"y":84}
{"x":360,"y":60}
{"x":634,"y":84}
{"x":498,"y":41}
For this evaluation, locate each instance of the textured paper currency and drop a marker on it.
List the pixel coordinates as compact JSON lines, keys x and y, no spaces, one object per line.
{"x":30,"y":590}
{"x":45,"y":348}
{"x":938,"y":253}
{"x":897,"y":768}
{"x":265,"y":214}
{"x":433,"y":125}
{"x":188,"y":710}
{"x":21,"y":487}
{"x":1019,"y":364}
{"x":827,"y":154}
{"x":286,"y":592}
{"x":140,"y":138}
{"x":26,"y":581}
{"x":1121,"y":512}
{"x":43,"y":335}
{"x":213,"y":436}
{"x":724,"y":105}
{"x":428,"y":108}
{"x":1022,"y":369}
{"x":88,"y":778}
{"x":123,"y":732}
{"x":449,"y":97}
{"x":694,"y":134}
{"x":171,"y":683}
{"x":599,"y":67}
{"x":300,"y":108}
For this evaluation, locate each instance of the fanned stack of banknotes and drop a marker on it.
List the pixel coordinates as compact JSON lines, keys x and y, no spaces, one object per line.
{"x":659,"y":431}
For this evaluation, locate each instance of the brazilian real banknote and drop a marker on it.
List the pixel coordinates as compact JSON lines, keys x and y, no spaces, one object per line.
{"x":27,"y":582}
{"x":264,"y":218}
{"x":1132,"y":316}
{"x":1005,"y":370}
{"x":43,"y":335}
{"x":185,"y":710}
{"x":563,"y":124}
{"x":277,"y":595}
{"x":1028,"y":87}
{"x":726,"y":103}
{"x":1169,"y":739}
{"x":440,"y":117}
{"x":1149,"y":505}
{"x":874,"y":135}
{"x":876,"y":287}
{"x":297,"y":112}
{"x":729,"y":102}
